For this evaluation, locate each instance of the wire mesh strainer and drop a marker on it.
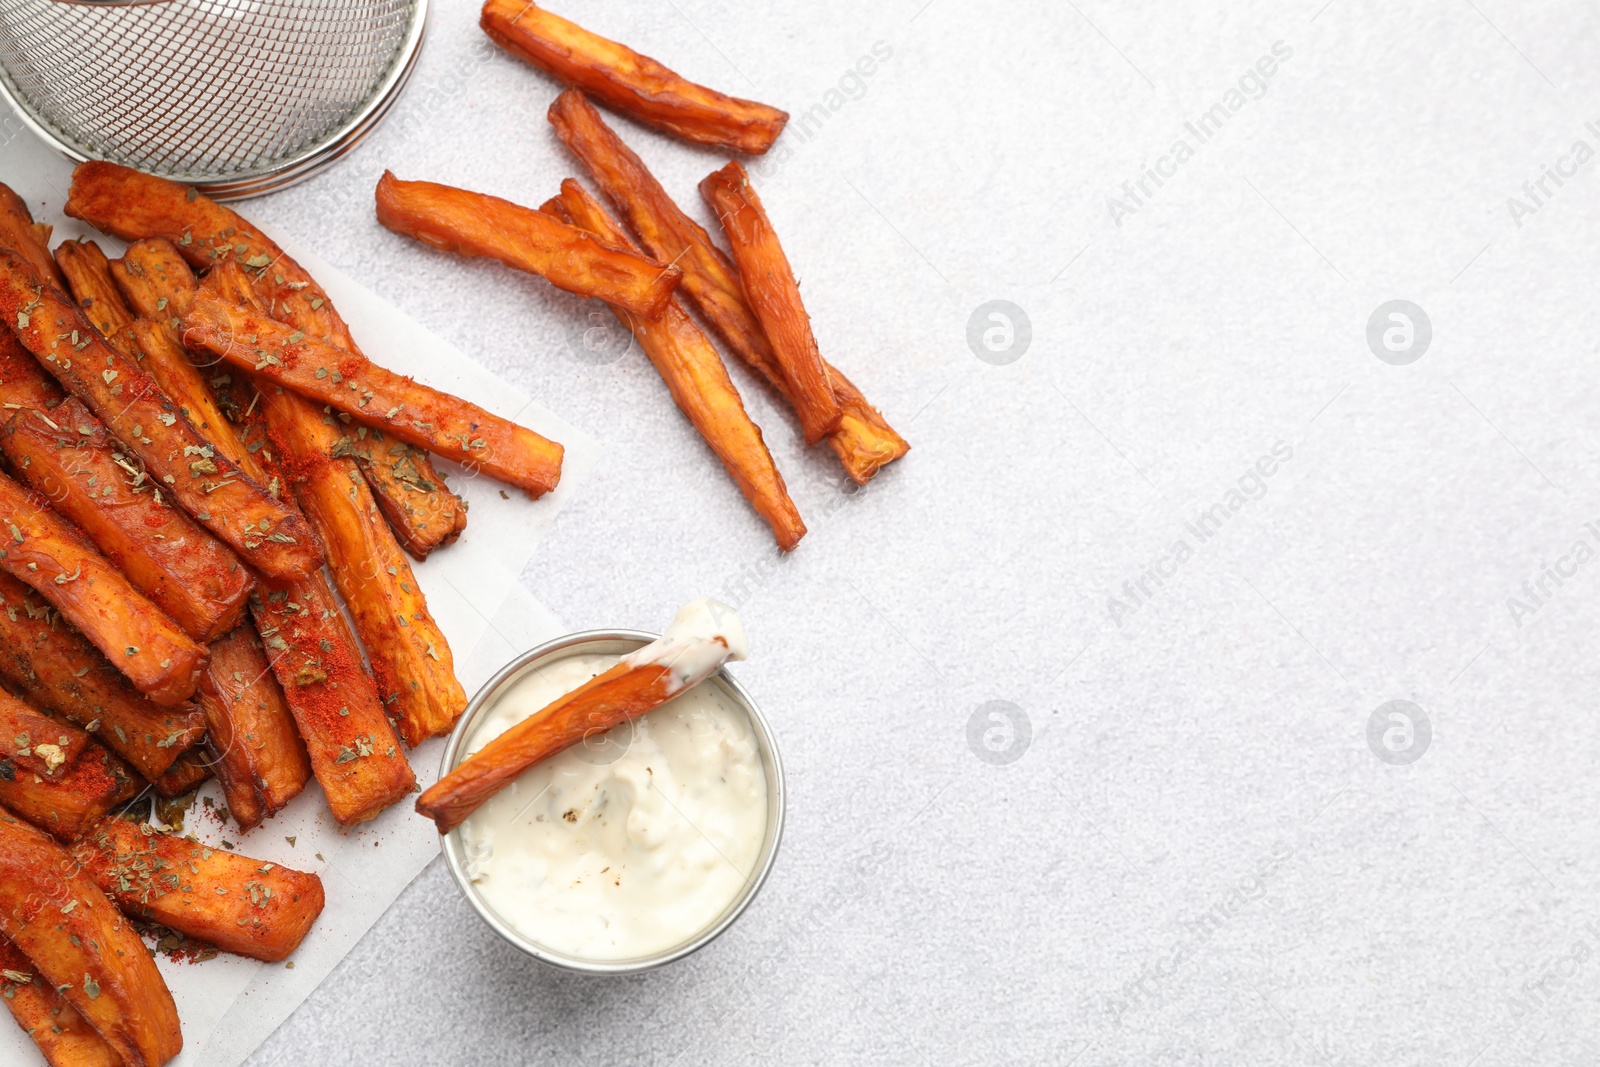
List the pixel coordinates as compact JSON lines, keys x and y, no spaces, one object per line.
{"x":239,"y":97}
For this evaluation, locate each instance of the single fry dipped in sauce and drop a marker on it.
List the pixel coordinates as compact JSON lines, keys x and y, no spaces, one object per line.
{"x":704,"y":635}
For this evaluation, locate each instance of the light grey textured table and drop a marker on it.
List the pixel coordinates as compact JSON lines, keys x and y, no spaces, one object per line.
{"x":1195,"y":854}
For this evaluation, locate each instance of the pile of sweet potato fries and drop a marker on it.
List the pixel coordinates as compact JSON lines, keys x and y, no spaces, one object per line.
{"x":188,"y":434}
{"x":750,"y":301}
{"x":191,"y":443}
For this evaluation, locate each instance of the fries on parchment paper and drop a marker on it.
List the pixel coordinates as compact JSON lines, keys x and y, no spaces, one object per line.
{"x":130,"y":404}
{"x":864,"y":441}
{"x":698,"y":381}
{"x":253,"y":342}
{"x":49,"y":554}
{"x":83,"y":947}
{"x":633,"y":84}
{"x":57,"y":671}
{"x":410,"y":658}
{"x":69,"y":458}
{"x":238,"y":904}
{"x":165,"y":220}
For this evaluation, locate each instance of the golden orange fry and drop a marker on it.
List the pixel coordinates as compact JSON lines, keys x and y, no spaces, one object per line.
{"x":29,"y":239}
{"x":447,"y":425}
{"x":354,"y":752}
{"x":251,"y":741}
{"x":476,"y":224}
{"x":774,"y":295}
{"x":698,"y":382}
{"x":242,"y":905}
{"x":89,"y":281}
{"x":633,"y":84}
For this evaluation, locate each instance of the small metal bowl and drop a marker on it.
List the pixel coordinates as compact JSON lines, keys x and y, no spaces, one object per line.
{"x":618,"y":643}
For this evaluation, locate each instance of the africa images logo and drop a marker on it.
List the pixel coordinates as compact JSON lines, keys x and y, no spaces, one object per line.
{"x":1252,"y":85}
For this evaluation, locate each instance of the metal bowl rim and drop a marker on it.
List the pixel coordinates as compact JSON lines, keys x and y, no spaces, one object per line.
{"x":284,"y":172}
{"x":767,"y":743}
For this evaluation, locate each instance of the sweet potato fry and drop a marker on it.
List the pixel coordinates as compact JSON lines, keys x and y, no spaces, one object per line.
{"x":36,"y":744}
{"x":774,"y":295}
{"x":633,"y":84}
{"x":644,"y":679}
{"x":154,"y":279}
{"x":610,"y":698}
{"x":57,"y":670}
{"x":28,"y":239}
{"x":411,"y":660}
{"x":139,"y":207}
{"x":354,"y":752}
{"x":422,"y":511}
{"x":475,"y":224}
{"x":54,"y":558}
{"x":242,"y":905}
{"x":69,"y":457}
{"x":128,"y":401}
{"x":698,"y":382}
{"x":84,"y":948}
{"x":22,"y":383}
{"x":66,"y":805}
{"x":403,"y":408}
{"x":88,"y":275}
{"x":251,"y":741}
{"x":64,"y":1037}
{"x":164,"y":357}
{"x":184,"y":776}
{"x":864,"y":441}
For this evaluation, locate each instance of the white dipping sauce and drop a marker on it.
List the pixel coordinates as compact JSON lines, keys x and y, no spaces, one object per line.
{"x":628,"y":844}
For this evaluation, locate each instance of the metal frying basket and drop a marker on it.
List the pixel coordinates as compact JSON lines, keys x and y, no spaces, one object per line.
{"x":239,"y":97}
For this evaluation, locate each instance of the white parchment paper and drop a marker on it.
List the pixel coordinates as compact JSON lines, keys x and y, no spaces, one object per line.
{"x":228,"y":1005}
